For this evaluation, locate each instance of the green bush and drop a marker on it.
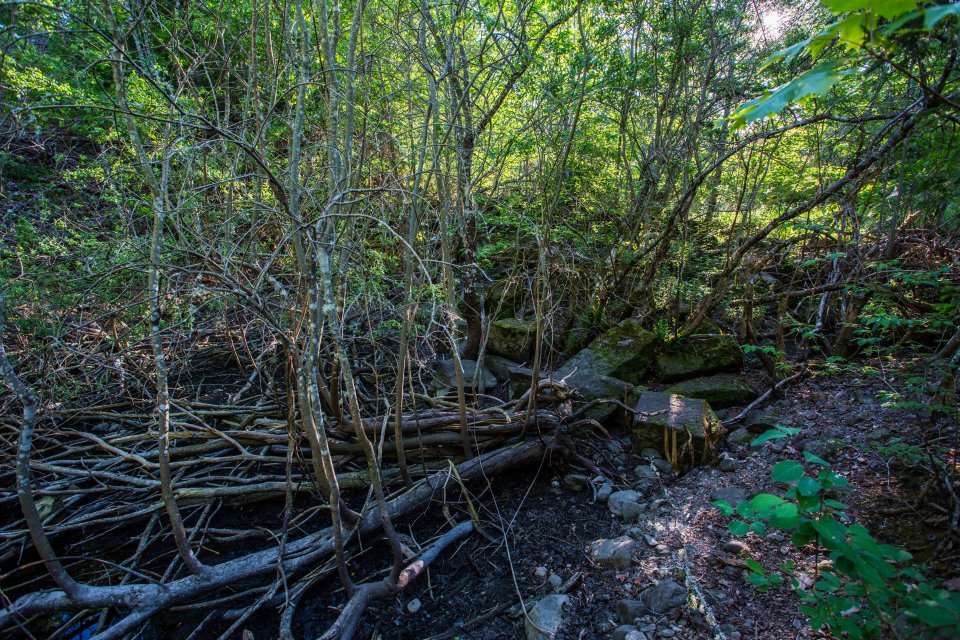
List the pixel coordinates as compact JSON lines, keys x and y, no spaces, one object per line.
{"x":867,"y":588}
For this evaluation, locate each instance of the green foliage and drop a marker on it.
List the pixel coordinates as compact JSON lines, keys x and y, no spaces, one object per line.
{"x":840,"y":50}
{"x":866,"y":588}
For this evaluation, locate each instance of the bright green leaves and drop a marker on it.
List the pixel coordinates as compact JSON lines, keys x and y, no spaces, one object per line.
{"x":816,"y":81}
{"x":787,"y":471}
{"x":809,"y":457}
{"x":850,"y":41}
{"x":739,"y":528}
{"x":765,"y":501}
{"x":865,"y":587}
{"x":883,"y":8}
{"x":931,"y":17}
{"x":774,"y":434}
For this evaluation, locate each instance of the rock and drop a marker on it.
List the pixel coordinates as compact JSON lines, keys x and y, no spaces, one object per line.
{"x":540,"y":573}
{"x":592,"y":386}
{"x":644,"y":471}
{"x":414,"y":606}
{"x":664,"y":597}
{"x":444,"y":375}
{"x":512,"y":337}
{"x":500,"y":367}
{"x":733,"y":495}
{"x":662,"y":466}
{"x":604,"y":491}
{"x":629,"y":610}
{"x":624,"y":351}
{"x":740,"y":436}
{"x":520,"y":380}
{"x":508,"y":296}
{"x":621,"y":632}
{"x":826,"y":448}
{"x":699,"y":355}
{"x":690,"y":419}
{"x":515,"y":376}
{"x":631,"y":511}
{"x":760,"y":421}
{"x":637,"y":635}
{"x":619,"y":498}
{"x":728,"y":464}
{"x":555,"y":581}
{"x":721,"y":390}
{"x":613,"y":554}
{"x":545,"y":618}
{"x":651,"y":454}
{"x":575,"y":481}
{"x":735,"y":547}
{"x":730,"y":631}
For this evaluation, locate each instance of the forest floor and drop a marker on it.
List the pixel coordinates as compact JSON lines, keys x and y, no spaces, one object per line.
{"x":541,"y":528}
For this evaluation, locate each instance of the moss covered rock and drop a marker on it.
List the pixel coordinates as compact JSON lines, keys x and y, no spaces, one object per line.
{"x":512,"y":338}
{"x":626,"y":352}
{"x":698,"y":355}
{"x":686,"y":430}
{"x":720,"y":390}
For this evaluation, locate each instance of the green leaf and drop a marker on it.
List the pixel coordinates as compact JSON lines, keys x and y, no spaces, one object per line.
{"x":830,"y":530}
{"x":724,"y":507}
{"x":934,"y":615}
{"x":758,"y":580}
{"x":808,"y":487}
{"x":738,"y":528}
{"x":809,"y":457}
{"x":754,"y":566}
{"x":883,"y":8}
{"x":758,"y":528}
{"x":787,"y":471}
{"x":774,"y":434}
{"x":765,"y":501}
{"x":815,"y":82}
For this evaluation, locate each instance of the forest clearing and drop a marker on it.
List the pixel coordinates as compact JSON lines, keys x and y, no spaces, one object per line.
{"x":479,"y":319}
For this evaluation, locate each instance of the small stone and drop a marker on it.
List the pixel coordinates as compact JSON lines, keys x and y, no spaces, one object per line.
{"x":545,"y":617}
{"x":784,"y":549}
{"x":603,"y":492}
{"x":733,"y":495}
{"x":651,"y":454}
{"x":739,"y":436}
{"x":636,"y":635}
{"x":664,"y":597}
{"x":662,"y":465}
{"x":575,"y":481}
{"x":414,"y":606}
{"x":736,"y":547}
{"x":631,"y":511}
{"x":666,"y":633}
{"x":645,"y":471}
{"x":629,"y":610}
{"x":555,"y":581}
{"x":621,"y":632}
{"x":613,"y":554}
{"x":618,"y":498}
{"x":541,"y":573}
{"x":728,"y":464}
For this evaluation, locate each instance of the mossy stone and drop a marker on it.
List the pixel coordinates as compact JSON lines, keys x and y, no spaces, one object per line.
{"x":720,"y":390}
{"x":698,"y":355}
{"x":624,"y":351}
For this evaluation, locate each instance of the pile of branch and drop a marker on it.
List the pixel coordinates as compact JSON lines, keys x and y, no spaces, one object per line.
{"x":95,"y":474}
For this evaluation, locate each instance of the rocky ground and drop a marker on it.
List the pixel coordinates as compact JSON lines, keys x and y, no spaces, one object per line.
{"x":642,"y":553}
